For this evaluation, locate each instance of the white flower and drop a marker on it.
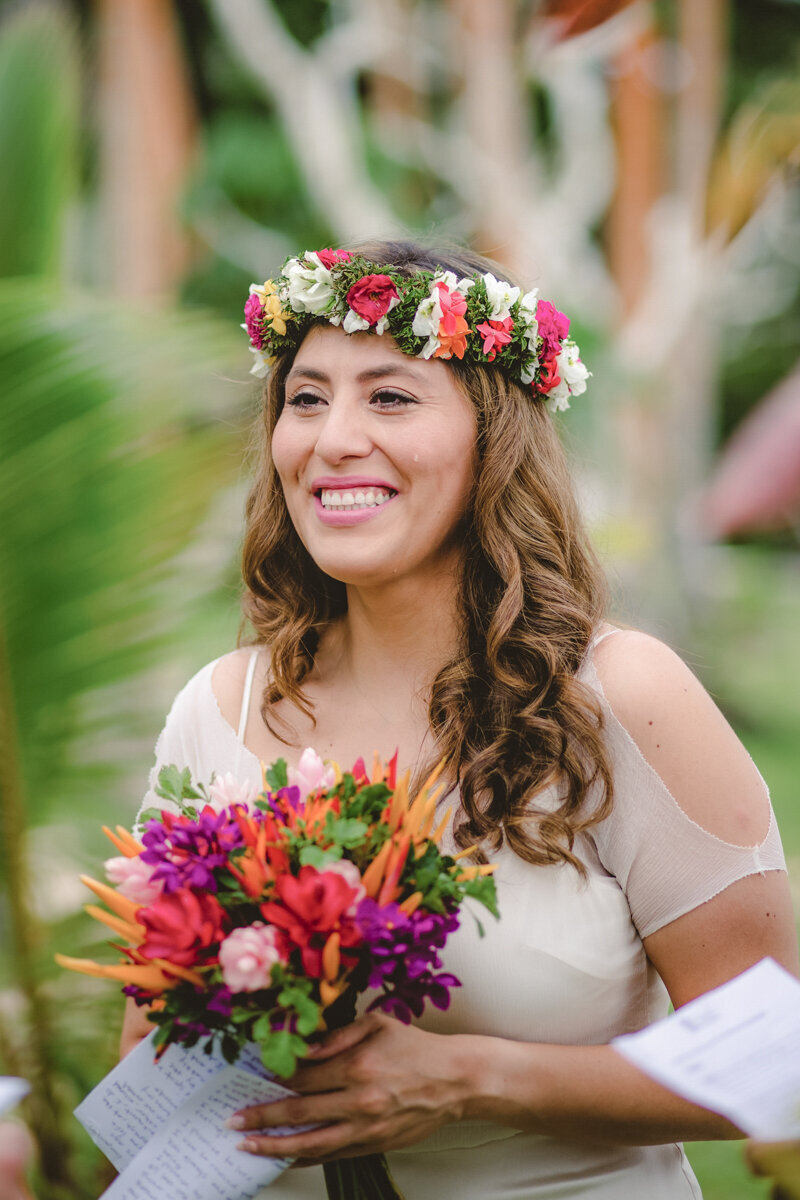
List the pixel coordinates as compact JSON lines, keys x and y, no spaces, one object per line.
{"x":501,"y":296}
{"x":573,"y":375}
{"x":426,"y":321}
{"x":226,"y":790}
{"x":311,"y":774}
{"x":262,"y":363}
{"x":353,"y":323}
{"x":310,"y":287}
{"x":527,"y":317}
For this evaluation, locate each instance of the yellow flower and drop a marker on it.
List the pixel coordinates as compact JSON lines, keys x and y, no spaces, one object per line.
{"x":274,"y":315}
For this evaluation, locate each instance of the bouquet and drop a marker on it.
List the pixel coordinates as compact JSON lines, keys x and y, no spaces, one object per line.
{"x":260,"y":917}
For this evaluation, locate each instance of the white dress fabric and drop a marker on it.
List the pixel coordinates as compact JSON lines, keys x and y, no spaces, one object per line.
{"x":564,"y":964}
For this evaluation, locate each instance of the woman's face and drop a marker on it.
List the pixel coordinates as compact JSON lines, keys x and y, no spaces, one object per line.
{"x":376,"y":454}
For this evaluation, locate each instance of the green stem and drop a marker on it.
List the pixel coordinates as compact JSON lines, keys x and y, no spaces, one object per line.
{"x":45,"y":1111}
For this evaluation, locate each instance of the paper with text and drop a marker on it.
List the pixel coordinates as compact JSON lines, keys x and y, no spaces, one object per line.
{"x":161,"y":1124}
{"x":735,"y":1050}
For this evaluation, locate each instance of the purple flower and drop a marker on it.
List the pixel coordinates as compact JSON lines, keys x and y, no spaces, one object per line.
{"x":403,"y":953}
{"x":221,"y":1001}
{"x":186,"y":852}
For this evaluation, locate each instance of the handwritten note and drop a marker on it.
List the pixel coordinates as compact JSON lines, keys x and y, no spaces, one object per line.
{"x":12,"y":1089}
{"x":735,"y":1050}
{"x":162,"y":1125}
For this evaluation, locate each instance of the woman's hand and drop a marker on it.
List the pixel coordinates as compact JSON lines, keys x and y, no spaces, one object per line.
{"x":375,"y":1085}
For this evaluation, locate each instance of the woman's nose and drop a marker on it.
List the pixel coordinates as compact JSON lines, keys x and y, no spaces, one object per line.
{"x":343,"y":433}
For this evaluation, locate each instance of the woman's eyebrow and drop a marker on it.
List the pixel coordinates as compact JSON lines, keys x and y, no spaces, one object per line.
{"x":377,"y":372}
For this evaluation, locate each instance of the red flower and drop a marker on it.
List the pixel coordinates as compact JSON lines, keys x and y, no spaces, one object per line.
{"x":328,"y":257}
{"x":548,"y":377}
{"x":494,"y":334}
{"x":372,"y":296}
{"x":309,"y":907}
{"x":181,"y":925}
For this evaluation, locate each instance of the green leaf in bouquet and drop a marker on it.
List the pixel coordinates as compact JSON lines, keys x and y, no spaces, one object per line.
{"x":230,"y":1048}
{"x":149,"y":814}
{"x":281,"y":1052}
{"x":176,"y":785}
{"x":277,"y":775}
{"x":345,"y":831}
{"x":483,"y":889}
{"x":262,"y":1029}
{"x":369,"y":802}
{"x":314,"y":856}
{"x":307,"y":1010}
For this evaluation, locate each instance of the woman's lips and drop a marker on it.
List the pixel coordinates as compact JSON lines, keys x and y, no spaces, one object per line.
{"x":351,"y":504}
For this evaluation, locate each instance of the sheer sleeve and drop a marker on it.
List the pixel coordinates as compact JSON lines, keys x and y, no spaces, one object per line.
{"x":186,"y":737}
{"x":666,"y":863}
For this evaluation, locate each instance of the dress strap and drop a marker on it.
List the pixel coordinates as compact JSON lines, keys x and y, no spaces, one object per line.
{"x":601,"y":636}
{"x":248,"y":687}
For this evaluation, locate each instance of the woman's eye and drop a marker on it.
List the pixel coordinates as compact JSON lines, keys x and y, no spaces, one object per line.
{"x":389,"y":399}
{"x":304,"y":401}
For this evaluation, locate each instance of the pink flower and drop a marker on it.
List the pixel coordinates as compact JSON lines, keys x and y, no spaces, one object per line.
{"x":328,"y":257}
{"x":371,"y":297}
{"x":247,"y":956}
{"x":134,"y":879}
{"x":553,"y":328}
{"x":182,"y":927}
{"x":252,"y":319}
{"x":495,"y":334}
{"x":226,"y":790}
{"x":311,"y":774}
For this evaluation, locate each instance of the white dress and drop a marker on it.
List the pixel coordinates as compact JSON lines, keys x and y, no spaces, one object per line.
{"x":564,"y":964}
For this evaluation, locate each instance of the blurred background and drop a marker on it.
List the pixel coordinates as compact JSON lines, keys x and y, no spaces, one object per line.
{"x":638,"y":161}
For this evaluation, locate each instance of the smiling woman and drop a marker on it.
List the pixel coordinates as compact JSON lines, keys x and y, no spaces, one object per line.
{"x":417,"y":577}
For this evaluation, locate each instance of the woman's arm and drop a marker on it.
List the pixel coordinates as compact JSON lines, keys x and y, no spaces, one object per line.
{"x":378,"y":1085}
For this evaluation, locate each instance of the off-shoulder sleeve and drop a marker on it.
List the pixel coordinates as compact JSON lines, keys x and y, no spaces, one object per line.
{"x":664,"y":861}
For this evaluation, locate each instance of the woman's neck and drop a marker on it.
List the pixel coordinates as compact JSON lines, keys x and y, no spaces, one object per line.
{"x":396,"y":637}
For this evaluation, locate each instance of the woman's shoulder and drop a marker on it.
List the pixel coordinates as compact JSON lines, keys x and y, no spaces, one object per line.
{"x":681,"y":733}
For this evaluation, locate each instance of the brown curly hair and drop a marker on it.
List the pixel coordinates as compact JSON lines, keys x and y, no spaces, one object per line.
{"x":508,"y":714}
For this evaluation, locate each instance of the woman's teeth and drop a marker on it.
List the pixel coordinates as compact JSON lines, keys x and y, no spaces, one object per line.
{"x":362,"y":498}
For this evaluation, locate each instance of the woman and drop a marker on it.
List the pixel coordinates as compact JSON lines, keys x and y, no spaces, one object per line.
{"x":417,"y":577}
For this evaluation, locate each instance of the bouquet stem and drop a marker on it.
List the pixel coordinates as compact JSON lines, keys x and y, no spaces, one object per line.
{"x":367,"y":1177}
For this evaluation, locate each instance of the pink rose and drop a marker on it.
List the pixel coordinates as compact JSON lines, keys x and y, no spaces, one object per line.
{"x":134,"y":879}
{"x":372,"y":297}
{"x":328,"y":257}
{"x":247,"y":957}
{"x":311,"y":774}
{"x":252,"y":318}
{"x":226,"y":790}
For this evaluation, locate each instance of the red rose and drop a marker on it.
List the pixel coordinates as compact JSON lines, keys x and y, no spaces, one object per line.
{"x":328,"y":257}
{"x":372,"y":296}
{"x":309,"y":907}
{"x":181,"y":925}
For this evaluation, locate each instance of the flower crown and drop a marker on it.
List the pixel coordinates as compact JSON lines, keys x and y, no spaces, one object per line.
{"x":430,"y":314}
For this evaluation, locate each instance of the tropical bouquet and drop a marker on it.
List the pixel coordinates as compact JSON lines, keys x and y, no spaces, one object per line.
{"x":260,"y":916}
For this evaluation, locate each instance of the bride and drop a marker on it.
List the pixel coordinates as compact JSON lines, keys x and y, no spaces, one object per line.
{"x":417,"y":577}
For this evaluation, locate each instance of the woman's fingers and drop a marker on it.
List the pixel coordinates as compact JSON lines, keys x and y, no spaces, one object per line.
{"x":339,"y":1040}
